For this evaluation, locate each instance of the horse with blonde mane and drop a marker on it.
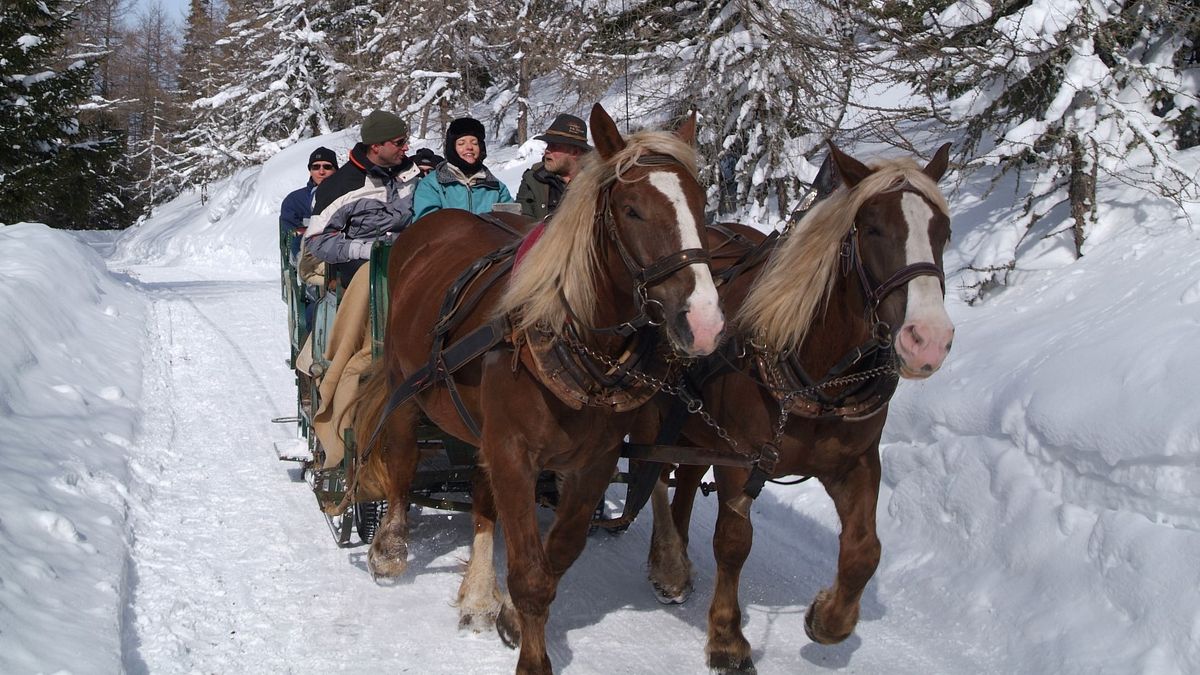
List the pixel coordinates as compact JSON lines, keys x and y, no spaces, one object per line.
{"x":621,"y":265}
{"x":855,"y":293}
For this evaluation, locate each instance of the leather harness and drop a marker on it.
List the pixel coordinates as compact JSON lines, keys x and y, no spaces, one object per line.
{"x":445,"y":361}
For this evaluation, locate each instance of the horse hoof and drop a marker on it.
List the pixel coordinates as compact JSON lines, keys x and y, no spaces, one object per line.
{"x":508,"y":627}
{"x":384,"y":568}
{"x":477,"y":622}
{"x":815,"y":628}
{"x":726,"y":664}
{"x":672,"y":596}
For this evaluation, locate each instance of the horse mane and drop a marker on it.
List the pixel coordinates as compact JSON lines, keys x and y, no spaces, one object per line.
{"x":796,"y":284}
{"x":564,"y":261}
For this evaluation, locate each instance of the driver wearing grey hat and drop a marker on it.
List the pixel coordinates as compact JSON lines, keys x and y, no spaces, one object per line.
{"x":544,"y":183}
{"x":369,"y":199}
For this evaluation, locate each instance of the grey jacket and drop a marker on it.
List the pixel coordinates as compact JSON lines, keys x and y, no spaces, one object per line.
{"x":359,"y":205}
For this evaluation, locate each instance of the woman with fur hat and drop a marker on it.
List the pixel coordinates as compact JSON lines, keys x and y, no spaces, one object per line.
{"x":461,"y":181}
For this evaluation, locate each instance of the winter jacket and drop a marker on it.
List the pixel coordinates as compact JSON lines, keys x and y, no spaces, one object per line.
{"x":540,"y":192}
{"x":447,"y":188}
{"x":296,"y":207}
{"x":360,"y":204}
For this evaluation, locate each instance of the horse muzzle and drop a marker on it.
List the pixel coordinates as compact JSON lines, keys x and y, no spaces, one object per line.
{"x":699,"y":329}
{"x":922,"y":347}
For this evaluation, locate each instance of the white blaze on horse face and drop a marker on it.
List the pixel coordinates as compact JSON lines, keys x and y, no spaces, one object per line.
{"x":924,"y":339}
{"x":704,"y":316}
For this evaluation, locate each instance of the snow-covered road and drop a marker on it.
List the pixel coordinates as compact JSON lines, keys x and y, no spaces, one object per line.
{"x":235,"y":569}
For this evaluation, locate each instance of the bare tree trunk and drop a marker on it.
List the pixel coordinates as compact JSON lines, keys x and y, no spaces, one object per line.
{"x":1081,"y":191}
{"x":523,"y":79}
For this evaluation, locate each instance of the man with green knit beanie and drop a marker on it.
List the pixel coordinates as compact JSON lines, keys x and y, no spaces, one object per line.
{"x":369,"y":199}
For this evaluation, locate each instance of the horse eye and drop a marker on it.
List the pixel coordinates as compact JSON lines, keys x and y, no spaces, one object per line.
{"x":630,"y":212}
{"x":873,"y":231}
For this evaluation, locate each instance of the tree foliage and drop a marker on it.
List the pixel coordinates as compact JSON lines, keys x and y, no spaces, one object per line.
{"x":1058,"y":94}
{"x":272,"y":81}
{"x":54,"y":169}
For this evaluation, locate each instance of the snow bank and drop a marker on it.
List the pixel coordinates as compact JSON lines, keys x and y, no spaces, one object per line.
{"x":70,"y":377}
{"x":237,"y":229}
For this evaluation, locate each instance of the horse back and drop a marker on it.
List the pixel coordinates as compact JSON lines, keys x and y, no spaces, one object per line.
{"x":426,"y":260}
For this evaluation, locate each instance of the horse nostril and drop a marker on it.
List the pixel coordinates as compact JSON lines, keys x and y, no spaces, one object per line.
{"x":681,"y":325}
{"x":949,"y":345}
{"x":927,"y":368}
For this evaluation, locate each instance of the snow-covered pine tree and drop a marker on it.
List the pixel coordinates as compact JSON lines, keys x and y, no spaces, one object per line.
{"x":772,"y":86}
{"x":275,"y":84}
{"x":531,"y":39}
{"x":52,"y":169}
{"x":1057,"y":94}
{"x":421,"y":62}
{"x":767,"y":78}
{"x":644,"y":44}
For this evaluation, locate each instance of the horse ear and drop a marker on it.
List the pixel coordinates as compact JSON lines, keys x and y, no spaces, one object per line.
{"x":604,"y":133}
{"x":687,"y":131}
{"x":937,"y":166}
{"x":851,"y":170}
{"x":827,"y":178}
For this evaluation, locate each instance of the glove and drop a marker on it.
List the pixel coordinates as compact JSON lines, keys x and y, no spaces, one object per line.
{"x":360,"y":249}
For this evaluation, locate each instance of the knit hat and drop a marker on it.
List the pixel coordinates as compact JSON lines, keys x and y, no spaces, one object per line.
{"x":465,"y":126}
{"x":323,"y":154}
{"x":426,"y":158}
{"x":568,"y":130}
{"x":382,"y":126}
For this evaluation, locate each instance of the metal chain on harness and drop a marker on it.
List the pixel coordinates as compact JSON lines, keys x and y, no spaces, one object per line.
{"x":694,"y":405}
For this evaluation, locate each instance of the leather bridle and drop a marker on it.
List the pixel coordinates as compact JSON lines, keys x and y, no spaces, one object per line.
{"x":875,"y":293}
{"x":644,"y":276}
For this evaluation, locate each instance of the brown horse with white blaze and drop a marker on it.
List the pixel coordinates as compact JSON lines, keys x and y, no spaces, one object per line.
{"x":855,"y":292}
{"x":624,"y":251}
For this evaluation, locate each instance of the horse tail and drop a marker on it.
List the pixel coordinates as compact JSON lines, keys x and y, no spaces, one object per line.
{"x":394,"y":432}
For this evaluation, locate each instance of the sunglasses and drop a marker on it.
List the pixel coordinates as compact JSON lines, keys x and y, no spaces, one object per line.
{"x":316,"y":166}
{"x":399,"y":142}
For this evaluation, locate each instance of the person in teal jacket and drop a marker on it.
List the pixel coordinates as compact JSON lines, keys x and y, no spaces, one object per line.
{"x":461,"y":181}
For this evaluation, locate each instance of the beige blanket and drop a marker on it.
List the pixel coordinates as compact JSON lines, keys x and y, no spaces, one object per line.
{"x":349,"y":356}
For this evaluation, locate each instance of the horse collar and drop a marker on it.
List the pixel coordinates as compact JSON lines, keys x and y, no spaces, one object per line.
{"x":866,"y":389}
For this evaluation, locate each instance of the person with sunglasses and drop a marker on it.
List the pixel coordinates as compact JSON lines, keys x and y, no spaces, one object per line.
{"x":368,"y":199}
{"x":297,"y":206}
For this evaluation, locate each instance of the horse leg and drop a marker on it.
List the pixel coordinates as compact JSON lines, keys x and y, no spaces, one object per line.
{"x":581,"y":490}
{"x":479,"y":598}
{"x":727,"y":649}
{"x":833,"y":614}
{"x":670,"y":569}
{"x":388,"y":556}
{"x":530,"y":584}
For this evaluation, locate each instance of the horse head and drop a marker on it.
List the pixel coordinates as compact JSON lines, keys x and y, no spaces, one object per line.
{"x":655,"y":219}
{"x":895,"y":245}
